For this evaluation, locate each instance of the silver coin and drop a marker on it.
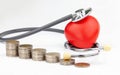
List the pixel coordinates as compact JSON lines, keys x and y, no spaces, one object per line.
{"x":67,"y":62}
{"x":38,"y":54}
{"x":52,"y":57}
{"x":12,"y":48}
{"x":11,"y":53}
{"x":25,"y":51}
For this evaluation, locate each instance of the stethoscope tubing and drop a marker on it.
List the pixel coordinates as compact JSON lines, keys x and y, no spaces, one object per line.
{"x":34,"y":30}
{"x":78,"y":15}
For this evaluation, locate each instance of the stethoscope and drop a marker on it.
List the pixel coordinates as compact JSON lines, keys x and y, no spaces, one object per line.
{"x":78,"y":15}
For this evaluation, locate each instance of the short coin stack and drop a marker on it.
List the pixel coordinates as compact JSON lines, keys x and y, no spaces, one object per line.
{"x":67,"y":62}
{"x":38,"y":54}
{"x":67,"y":59}
{"x":25,"y":51}
{"x":52,"y":57}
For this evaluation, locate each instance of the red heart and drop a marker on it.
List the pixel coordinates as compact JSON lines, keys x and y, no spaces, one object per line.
{"x":83,"y":33}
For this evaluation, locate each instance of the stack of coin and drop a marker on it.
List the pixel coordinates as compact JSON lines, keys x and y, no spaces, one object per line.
{"x":25,"y":51}
{"x":67,"y":62}
{"x":67,"y":59}
{"x":38,"y":54}
{"x":52,"y":57}
{"x":12,"y":48}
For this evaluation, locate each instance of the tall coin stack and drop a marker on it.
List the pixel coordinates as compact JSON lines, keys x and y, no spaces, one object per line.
{"x":12,"y":48}
{"x":38,"y":54}
{"x":25,"y":51}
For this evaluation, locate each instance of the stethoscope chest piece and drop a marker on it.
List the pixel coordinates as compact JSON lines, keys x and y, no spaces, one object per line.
{"x":86,"y":52}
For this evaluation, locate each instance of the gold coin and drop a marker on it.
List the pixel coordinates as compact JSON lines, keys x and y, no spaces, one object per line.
{"x":82,"y":65}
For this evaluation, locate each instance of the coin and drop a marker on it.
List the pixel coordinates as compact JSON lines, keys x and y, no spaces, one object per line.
{"x":52,"y":57}
{"x":12,"y":48}
{"x":82,"y":65}
{"x":67,"y":62}
{"x":38,"y":54}
{"x":25,"y":51}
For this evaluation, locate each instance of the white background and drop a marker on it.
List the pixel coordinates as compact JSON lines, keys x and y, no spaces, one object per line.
{"x":31,"y":13}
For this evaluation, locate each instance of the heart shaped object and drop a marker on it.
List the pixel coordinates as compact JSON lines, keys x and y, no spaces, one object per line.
{"x":83,"y":33}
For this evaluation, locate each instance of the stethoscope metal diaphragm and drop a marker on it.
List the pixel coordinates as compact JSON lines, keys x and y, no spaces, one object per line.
{"x":87,"y":52}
